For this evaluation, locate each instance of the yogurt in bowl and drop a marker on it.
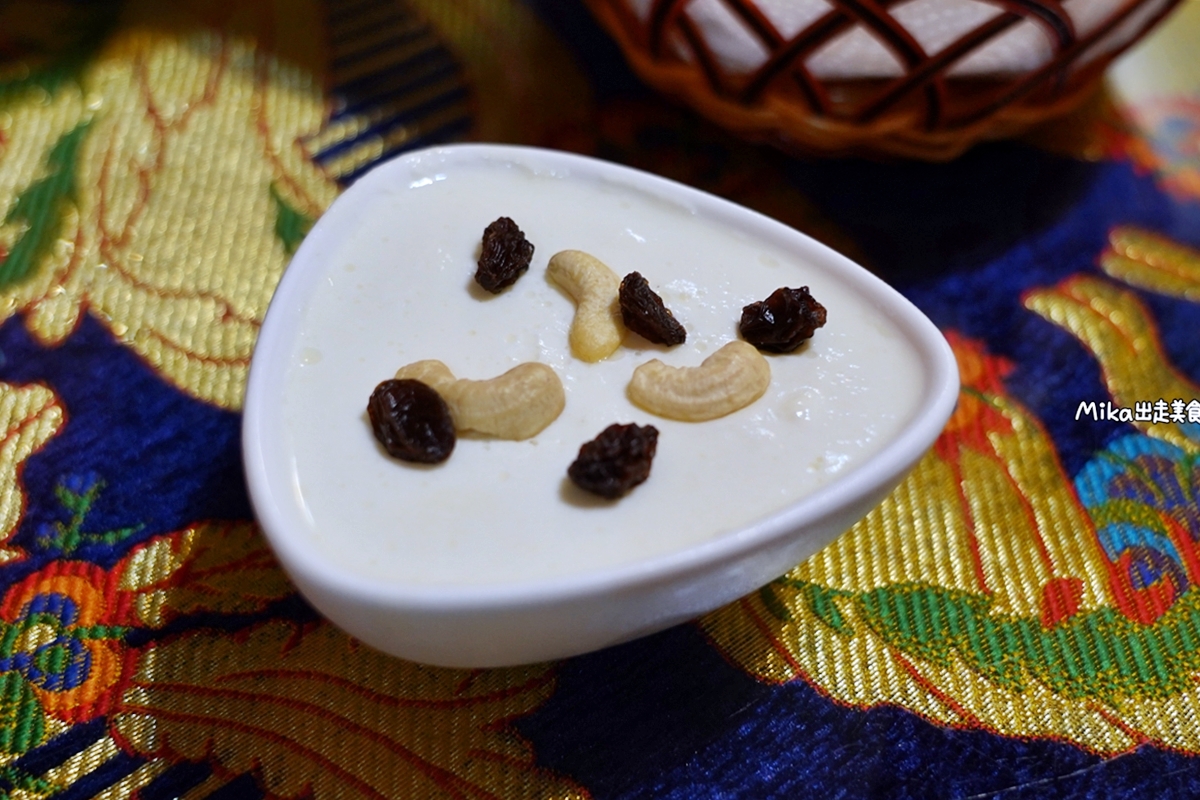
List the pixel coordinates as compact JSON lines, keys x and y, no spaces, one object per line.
{"x":493,"y":557}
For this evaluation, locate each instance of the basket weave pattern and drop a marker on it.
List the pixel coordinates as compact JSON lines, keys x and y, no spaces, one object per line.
{"x":927,"y":111}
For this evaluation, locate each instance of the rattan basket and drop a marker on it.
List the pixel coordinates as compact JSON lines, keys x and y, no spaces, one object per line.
{"x":917,"y":78}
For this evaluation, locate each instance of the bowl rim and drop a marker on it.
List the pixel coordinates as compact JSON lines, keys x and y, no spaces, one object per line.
{"x":264,"y":388}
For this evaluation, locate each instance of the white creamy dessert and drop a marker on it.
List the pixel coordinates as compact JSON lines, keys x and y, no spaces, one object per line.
{"x":502,"y":512}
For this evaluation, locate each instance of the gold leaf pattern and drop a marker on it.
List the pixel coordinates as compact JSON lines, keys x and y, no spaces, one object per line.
{"x":1152,"y":262}
{"x":1119,"y":331}
{"x":29,"y":416}
{"x":171,"y":242}
{"x":988,"y":512}
{"x":212,"y":567}
{"x":305,"y":707}
{"x":318,"y":714}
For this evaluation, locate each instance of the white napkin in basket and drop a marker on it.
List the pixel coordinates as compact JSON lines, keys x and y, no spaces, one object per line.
{"x":934,"y":24}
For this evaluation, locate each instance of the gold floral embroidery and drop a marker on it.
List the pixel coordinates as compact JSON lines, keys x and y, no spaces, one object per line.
{"x":986,"y":539}
{"x":1147,"y":260}
{"x":167,"y":234}
{"x":315,"y":712}
{"x":1117,"y":328}
{"x":29,"y":416}
{"x":303,"y":705}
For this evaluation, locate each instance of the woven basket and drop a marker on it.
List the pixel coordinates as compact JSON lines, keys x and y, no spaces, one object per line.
{"x":916,"y":78}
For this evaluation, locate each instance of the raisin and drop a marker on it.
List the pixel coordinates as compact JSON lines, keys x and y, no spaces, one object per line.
{"x":645,"y":314}
{"x":783,"y":321}
{"x":615,"y":461}
{"x":505,"y":257}
{"x":411,"y":421}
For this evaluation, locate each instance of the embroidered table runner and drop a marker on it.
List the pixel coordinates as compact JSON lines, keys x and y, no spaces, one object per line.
{"x":1017,"y":619}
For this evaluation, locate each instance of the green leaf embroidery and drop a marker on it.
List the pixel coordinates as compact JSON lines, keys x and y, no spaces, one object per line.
{"x":68,"y":536}
{"x":98,"y":632}
{"x":20,"y":779}
{"x":819,"y":600}
{"x":1098,"y":654}
{"x":42,"y":207}
{"x":773,"y":605}
{"x":22,"y":724}
{"x":291,"y":225}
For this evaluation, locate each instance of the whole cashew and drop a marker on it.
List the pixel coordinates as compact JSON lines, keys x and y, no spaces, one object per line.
{"x":731,"y":378}
{"x":516,"y":405}
{"x":597,"y":330}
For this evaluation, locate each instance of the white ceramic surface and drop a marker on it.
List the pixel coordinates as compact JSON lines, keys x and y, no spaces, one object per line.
{"x":359,"y":534}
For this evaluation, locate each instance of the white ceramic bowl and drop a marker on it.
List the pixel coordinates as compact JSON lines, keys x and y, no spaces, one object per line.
{"x":492,"y":558}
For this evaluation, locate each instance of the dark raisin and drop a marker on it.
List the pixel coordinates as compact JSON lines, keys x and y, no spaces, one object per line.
{"x":411,"y":421}
{"x":505,"y":257}
{"x":645,"y":314}
{"x":783,"y":321}
{"x":615,"y":461}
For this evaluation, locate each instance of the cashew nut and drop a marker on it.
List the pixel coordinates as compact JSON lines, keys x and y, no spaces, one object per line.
{"x":597,"y":330}
{"x":731,"y":378}
{"x":432,"y":373}
{"x":516,"y":405}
